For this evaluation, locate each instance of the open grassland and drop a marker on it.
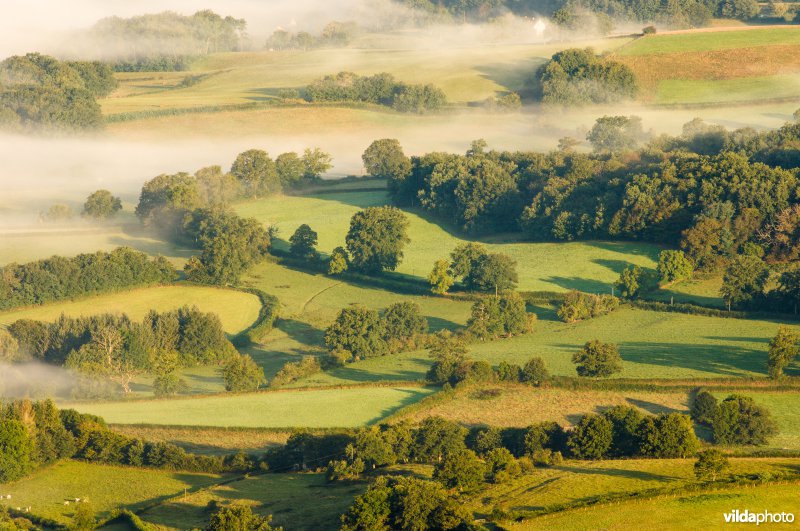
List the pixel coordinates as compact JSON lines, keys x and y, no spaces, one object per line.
{"x":210,"y":441}
{"x":680,"y":511}
{"x":582,"y":481}
{"x":466,"y":74}
{"x":711,"y":40}
{"x":324,"y":408}
{"x":296,"y":501}
{"x":236,"y":309}
{"x":588,"y":266}
{"x":652,"y":345}
{"x":523,"y":405}
{"x":678,"y":91}
{"x":106,"y":487}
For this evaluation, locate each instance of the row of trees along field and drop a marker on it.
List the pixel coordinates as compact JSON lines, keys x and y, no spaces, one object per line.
{"x":577,"y":14}
{"x":40,"y":91}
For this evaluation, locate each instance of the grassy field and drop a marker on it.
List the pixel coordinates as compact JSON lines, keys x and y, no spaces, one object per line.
{"x":588,"y":266}
{"x":709,"y":41}
{"x":678,"y":91}
{"x":325,"y":408}
{"x":296,"y":501}
{"x":210,"y":441}
{"x":580,"y":481}
{"x":680,"y":511}
{"x":106,"y":487}
{"x":236,"y":309}
{"x":652,"y":345}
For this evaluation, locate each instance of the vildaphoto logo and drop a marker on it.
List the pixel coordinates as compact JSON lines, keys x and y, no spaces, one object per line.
{"x":765,"y":517}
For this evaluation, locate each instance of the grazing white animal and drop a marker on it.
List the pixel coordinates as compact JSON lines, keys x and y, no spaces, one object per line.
{"x":77,"y":500}
{"x":66,"y":502}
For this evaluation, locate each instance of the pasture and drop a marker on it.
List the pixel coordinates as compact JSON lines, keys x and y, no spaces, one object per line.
{"x":236,"y":309}
{"x":323,"y":408}
{"x":296,"y":501}
{"x":652,"y":345}
{"x":106,"y":487}
{"x":205,"y":440}
{"x":702,"y":510}
{"x":703,"y":41}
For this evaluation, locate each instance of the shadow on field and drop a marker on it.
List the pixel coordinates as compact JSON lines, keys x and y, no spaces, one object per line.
{"x":353,"y":374}
{"x":616,"y":472}
{"x":580,"y":284}
{"x":303,"y":333}
{"x":412,"y":396}
{"x":512,"y":75}
{"x":723,"y":360}
{"x":652,"y":407}
{"x":437,"y":323}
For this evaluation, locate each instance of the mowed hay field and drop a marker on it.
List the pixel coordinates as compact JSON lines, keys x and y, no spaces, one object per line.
{"x":324,"y":408}
{"x":581,"y":481}
{"x":679,"y":511}
{"x":237,"y":310}
{"x":106,"y":487}
{"x":295,"y":501}
{"x":717,"y":66}
{"x":652,"y":345}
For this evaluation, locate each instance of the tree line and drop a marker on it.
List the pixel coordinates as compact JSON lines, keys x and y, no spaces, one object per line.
{"x":115,"y":348}
{"x":334,"y":34}
{"x":39,"y":91}
{"x":380,"y":89}
{"x":60,"y":278}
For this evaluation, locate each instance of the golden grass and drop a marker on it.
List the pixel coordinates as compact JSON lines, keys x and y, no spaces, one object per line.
{"x":207,"y":440}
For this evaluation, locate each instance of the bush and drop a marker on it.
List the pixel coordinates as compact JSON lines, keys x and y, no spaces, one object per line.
{"x":597,"y":359}
{"x":578,"y":77}
{"x":579,"y":306}
{"x":703,"y":408}
{"x":295,"y":370}
{"x":739,"y":420}
{"x":534,"y":372}
{"x":243,"y":374}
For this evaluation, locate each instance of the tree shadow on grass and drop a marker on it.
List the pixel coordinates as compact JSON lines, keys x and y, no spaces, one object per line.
{"x":412,"y":396}
{"x":302,"y":332}
{"x":653,"y":407}
{"x":617,"y":266}
{"x":586,"y":285}
{"x":724,"y":360}
{"x":617,"y":472}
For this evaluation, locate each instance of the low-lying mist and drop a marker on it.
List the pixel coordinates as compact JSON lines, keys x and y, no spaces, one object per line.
{"x":37,"y":380}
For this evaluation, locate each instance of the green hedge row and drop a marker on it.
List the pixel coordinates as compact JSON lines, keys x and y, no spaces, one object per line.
{"x":269,"y":313}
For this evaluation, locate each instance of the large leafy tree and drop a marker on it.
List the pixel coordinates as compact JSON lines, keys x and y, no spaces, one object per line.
{"x":783,"y":348}
{"x":739,"y":420}
{"x":101,"y":205}
{"x":376,"y":239}
{"x":359,"y":331}
{"x":597,"y":359}
{"x":303,"y":243}
{"x":744,"y":280}
{"x":385,"y":158}
{"x":591,"y":437}
{"x":256,"y":172}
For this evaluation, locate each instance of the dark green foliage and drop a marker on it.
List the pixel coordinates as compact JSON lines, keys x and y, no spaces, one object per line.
{"x":404,"y":504}
{"x":541,"y":436}
{"x":739,"y":420}
{"x":59,"y":278}
{"x":450,"y":359}
{"x":494,"y":272}
{"x":290,"y":169}
{"x":359,"y":331}
{"x":338,"y":262}
{"x":304,"y":243}
{"x":230,"y":244}
{"x":380,"y":89}
{"x":402,"y":323}
{"x":256,"y":173}
{"x":15,"y":450}
{"x":673,"y":266}
{"x":634,"y":280}
{"x":577,"y":77}
{"x":710,"y":464}
{"x":295,"y":370}
{"x":334,"y":34}
{"x":503,"y":316}
{"x":501,"y":465}
{"x":591,"y":438}
{"x":238,"y":518}
{"x":783,"y":348}
{"x":744,"y":281}
{"x":243,"y":374}
{"x":579,"y":306}
{"x":534,"y":372}
{"x":101,"y":205}
{"x":385,"y":159}
{"x":460,"y":470}
{"x":597,"y":360}
{"x":703,"y":407}
{"x":667,"y":436}
{"x":376,"y":239}
{"x":436,"y":437}
{"x":38,"y":91}
{"x":165,"y":199}
{"x":626,"y":425}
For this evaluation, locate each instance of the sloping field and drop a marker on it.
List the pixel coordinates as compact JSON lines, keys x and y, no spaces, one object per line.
{"x":106,"y":487}
{"x":703,"y":41}
{"x":236,"y":309}
{"x":325,"y":408}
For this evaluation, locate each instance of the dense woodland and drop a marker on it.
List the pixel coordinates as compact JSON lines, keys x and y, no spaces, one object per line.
{"x":59,"y":278}
{"x":38,"y":91}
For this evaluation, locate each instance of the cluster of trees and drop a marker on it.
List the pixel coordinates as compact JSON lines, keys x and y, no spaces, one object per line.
{"x":333,"y":35}
{"x":380,"y":89}
{"x":166,"y":41}
{"x":579,"y":306}
{"x":580,"y":14}
{"x":192,"y":209}
{"x":115,"y":348}
{"x":358,"y":332}
{"x":59,"y":278}
{"x":39,"y":91}
{"x":737,"y":420}
{"x":101,"y":205}
{"x":476,"y":269}
{"x":34,"y":434}
{"x":578,"y":76}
